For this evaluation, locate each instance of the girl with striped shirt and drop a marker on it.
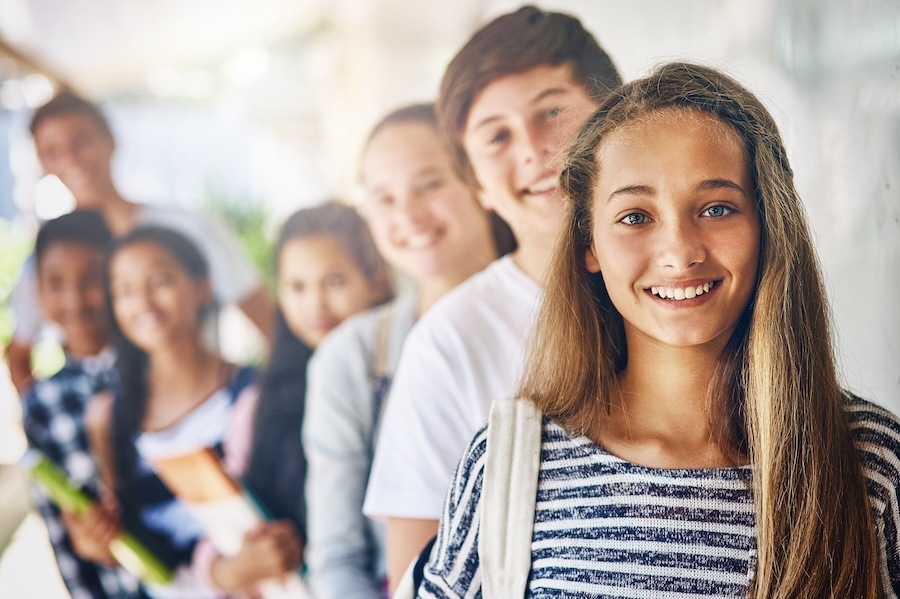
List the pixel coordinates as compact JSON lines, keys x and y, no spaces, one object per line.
{"x":695,"y":439}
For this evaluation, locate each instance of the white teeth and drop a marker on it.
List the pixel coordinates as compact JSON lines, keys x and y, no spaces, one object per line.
{"x":420,"y":241}
{"x":682,"y":293}
{"x":148,"y":320}
{"x":544,"y":185}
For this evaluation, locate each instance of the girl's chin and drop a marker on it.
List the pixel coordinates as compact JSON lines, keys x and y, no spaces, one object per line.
{"x":424,"y":265}
{"x":151,"y":344}
{"x":309,"y":338}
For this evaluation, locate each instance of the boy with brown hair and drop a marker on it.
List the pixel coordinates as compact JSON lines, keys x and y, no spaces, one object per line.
{"x":511,"y":102}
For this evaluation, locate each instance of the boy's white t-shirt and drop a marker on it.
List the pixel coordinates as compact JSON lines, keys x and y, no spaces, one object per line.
{"x":232,"y":275}
{"x":467,"y":350}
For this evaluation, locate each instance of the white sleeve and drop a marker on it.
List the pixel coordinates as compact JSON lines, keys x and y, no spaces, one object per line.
{"x":26,"y":304}
{"x":424,"y":433}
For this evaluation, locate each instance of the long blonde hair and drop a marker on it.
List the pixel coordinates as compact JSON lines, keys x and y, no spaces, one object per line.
{"x":775,"y":398}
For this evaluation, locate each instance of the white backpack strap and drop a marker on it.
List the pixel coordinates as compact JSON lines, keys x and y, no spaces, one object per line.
{"x":508,"y":495}
{"x":405,"y":589}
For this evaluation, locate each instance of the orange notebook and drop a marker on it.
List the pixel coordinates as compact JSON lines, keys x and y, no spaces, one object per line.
{"x":197,"y":477}
{"x":224,"y":509}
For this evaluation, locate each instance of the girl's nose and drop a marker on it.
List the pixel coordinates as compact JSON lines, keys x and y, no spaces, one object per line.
{"x":680,"y":245}
{"x":316,"y":299}
{"x":415,"y":208}
{"x":531,"y":145}
{"x":73,"y":298}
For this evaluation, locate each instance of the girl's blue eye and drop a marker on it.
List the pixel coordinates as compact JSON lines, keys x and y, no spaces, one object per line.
{"x":383,"y":201}
{"x":717,"y":211}
{"x":635,"y":218}
{"x":432,"y":185}
{"x":335,"y":280}
{"x":552,"y":113}
{"x":498,"y":137}
{"x":160,"y":280}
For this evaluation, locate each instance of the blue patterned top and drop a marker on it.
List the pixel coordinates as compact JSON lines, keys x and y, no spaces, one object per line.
{"x":53,"y":419}
{"x":607,"y":528}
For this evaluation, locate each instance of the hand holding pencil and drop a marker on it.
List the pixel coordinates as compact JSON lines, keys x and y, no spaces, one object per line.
{"x":92,"y":532}
{"x":94,"y":523}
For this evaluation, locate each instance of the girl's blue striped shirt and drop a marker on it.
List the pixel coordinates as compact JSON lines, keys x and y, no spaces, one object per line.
{"x":608,"y":528}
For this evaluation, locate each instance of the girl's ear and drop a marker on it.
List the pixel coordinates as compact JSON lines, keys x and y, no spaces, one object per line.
{"x":484,"y":200}
{"x":590,"y":260}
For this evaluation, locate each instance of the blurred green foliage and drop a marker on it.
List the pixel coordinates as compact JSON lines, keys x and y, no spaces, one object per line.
{"x":15,"y":246}
{"x":248,"y":219}
{"x":47,"y":356}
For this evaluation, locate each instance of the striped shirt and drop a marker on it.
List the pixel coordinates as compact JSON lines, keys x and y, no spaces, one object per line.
{"x":608,"y":528}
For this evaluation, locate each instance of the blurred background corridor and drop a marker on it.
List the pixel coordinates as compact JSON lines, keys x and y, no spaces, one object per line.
{"x":254,"y":109}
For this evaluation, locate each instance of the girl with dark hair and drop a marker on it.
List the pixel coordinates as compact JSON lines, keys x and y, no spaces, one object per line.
{"x":328,"y":269}
{"x":691,"y":435}
{"x":428,"y":224}
{"x":173,"y":395}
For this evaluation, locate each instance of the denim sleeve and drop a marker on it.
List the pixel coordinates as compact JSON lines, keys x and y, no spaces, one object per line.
{"x":344,"y":555}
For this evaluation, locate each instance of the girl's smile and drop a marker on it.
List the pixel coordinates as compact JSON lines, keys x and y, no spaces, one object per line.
{"x":154,"y":299}
{"x":424,"y":219}
{"x":684,"y":294}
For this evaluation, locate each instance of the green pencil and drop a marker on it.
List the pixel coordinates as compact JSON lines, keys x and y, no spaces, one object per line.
{"x":128,"y":550}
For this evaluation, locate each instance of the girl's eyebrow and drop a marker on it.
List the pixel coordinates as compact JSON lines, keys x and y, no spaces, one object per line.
{"x":372,"y":190}
{"x":646,"y":190}
{"x":636,"y":190}
{"x":426,"y":171}
{"x":720,"y":184}
{"x":543,"y":94}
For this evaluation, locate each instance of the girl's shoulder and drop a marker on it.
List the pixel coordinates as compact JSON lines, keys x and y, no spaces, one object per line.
{"x":362,"y":333}
{"x":872,"y":423}
{"x":465,"y":490}
{"x":876,"y":433}
{"x":400,"y":311}
{"x":243,"y":377}
{"x":557,"y":445}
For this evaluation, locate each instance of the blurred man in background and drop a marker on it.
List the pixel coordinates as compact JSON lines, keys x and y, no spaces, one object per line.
{"x":74,"y":142}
